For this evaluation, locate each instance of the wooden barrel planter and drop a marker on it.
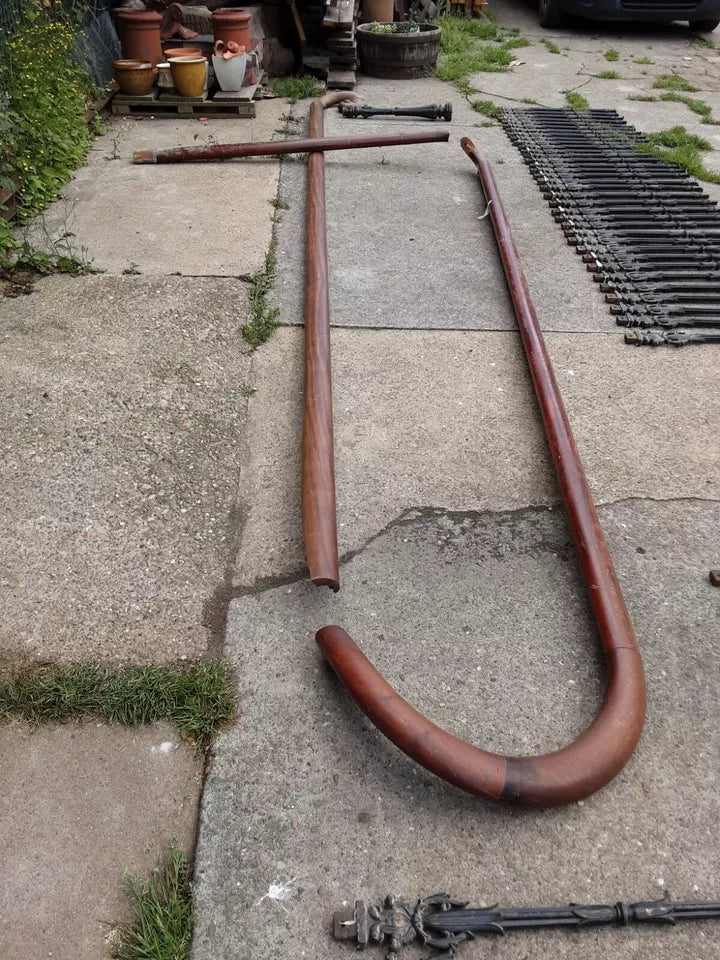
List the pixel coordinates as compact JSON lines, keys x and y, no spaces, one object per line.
{"x":398,"y":55}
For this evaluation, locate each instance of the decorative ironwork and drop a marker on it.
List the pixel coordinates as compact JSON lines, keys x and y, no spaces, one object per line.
{"x":442,"y":922}
{"x":674,"y":338}
{"x":433,"y":111}
{"x":645,"y":229}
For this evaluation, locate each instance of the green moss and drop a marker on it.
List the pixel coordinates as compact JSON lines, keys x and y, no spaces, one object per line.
{"x":672,"y":81}
{"x":199,"y":700}
{"x":611,"y":55}
{"x":576,"y":100}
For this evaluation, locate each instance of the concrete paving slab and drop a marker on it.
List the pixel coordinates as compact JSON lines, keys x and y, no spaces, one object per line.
{"x":429,"y":264}
{"x":82,"y":804}
{"x":124,"y":403}
{"x":479,"y":620}
{"x":433,"y":419}
{"x":194,"y":219}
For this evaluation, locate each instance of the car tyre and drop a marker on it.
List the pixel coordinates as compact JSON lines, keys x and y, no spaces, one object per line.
{"x":700,"y":26}
{"x":550,"y":13}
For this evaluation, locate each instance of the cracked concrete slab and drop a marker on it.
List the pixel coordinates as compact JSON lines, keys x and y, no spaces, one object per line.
{"x":449,"y":420}
{"x":81,"y":804}
{"x":480,"y":620}
{"x":124,"y":409}
{"x":195,"y":219}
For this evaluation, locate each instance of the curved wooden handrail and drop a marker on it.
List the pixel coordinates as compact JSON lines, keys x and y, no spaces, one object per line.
{"x":319,"y":521}
{"x":599,"y":754}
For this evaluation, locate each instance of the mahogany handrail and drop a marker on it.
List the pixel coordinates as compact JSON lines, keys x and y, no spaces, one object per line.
{"x":276,"y":148}
{"x":601,"y":751}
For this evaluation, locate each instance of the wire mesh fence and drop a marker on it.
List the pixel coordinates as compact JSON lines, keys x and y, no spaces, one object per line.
{"x":96,"y":45}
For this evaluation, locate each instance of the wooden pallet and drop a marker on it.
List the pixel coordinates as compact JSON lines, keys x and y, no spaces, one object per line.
{"x":242,"y":103}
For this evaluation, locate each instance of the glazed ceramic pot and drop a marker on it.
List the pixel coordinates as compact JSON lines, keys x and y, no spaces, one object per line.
{"x":230,"y":73}
{"x":189,"y":75}
{"x":139,"y":32}
{"x":164,"y":78}
{"x":232,"y":24}
{"x":135,"y":78}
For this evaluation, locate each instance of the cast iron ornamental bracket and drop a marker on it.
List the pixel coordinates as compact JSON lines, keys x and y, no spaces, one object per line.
{"x":598,"y":754}
{"x":445,"y":923}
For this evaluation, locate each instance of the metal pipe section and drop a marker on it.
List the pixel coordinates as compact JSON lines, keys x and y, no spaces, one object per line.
{"x":598,"y":754}
{"x":276,"y":148}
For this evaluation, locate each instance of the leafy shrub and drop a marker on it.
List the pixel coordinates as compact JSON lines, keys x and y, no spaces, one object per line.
{"x":43,"y":130}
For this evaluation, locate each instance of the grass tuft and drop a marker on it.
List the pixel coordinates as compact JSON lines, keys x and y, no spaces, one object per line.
{"x":463,"y":52}
{"x":263,"y":317}
{"x":608,"y":75}
{"x":552,"y":47}
{"x":643,"y":60}
{"x":611,"y":55}
{"x":514,"y":42}
{"x":672,"y":81}
{"x":576,"y":100}
{"x":642,"y":98}
{"x":488,"y":108}
{"x":697,"y":106}
{"x":458,"y":34}
{"x":163,"y":907}
{"x":297,"y":88}
{"x":682,"y":149}
{"x":198,"y":701}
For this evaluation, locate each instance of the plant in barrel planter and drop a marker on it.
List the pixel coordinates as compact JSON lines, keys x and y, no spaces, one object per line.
{"x":398,"y":50}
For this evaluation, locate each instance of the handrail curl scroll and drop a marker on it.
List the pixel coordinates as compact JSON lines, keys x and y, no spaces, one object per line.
{"x":597,"y":755}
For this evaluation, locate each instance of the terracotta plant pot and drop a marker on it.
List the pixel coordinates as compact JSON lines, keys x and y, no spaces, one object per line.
{"x":139,"y":32}
{"x":189,"y":75}
{"x":175,"y":52}
{"x":231,"y":24}
{"x":135,"y":78}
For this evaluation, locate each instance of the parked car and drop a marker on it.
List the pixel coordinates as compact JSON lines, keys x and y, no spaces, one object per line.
{"x":703,"y":16}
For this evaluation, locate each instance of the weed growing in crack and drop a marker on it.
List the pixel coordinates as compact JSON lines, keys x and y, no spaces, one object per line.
{"x":551,"y":47}
{"x":198,"y":701}
{"x":608,"y":75}
{"x":576,"y":100}
{"x":673,"y":81}
{"x":263,"y":317}
{"x":682,"y":149}
{"x":697,"y":106}
{"x":163,"y":925}
{"x":487,"y":108}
